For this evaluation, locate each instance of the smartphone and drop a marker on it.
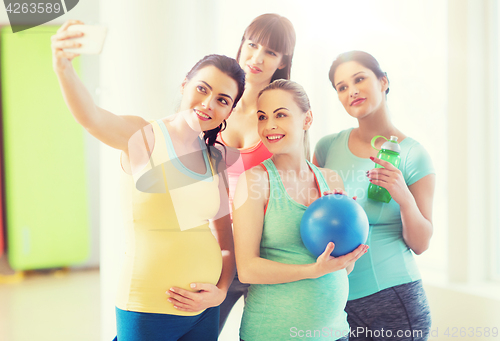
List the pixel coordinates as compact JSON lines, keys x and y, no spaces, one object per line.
{"x":92,"y":40}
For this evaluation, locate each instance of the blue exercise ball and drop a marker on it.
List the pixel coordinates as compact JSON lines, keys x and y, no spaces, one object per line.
{"x":334,"y":218}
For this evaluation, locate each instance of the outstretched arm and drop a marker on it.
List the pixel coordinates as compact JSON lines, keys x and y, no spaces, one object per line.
{"x":111,"y":129}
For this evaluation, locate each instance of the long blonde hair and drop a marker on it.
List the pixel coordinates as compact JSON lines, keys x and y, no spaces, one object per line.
{"x":300,"y":97}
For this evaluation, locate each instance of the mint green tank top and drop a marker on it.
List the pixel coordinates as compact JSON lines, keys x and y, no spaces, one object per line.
{"x":309,"y":308}
{"x":389,"y":261}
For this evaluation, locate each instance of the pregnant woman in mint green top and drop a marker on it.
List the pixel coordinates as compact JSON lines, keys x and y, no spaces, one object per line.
{"x":386,"y":297}
{"x":292,"y":294}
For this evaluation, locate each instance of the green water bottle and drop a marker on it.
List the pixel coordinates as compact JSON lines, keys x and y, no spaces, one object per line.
{"x":389,"y":152}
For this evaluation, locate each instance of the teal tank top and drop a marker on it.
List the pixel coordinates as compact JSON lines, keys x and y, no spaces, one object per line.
{"x":389,"y":261}
{"x":313,"y":307}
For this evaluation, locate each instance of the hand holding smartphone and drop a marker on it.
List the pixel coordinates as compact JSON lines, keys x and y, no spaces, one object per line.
{"x":92,"y":40}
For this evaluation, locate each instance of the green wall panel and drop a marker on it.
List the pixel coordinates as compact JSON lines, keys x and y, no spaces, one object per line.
{"x":44,"y":158}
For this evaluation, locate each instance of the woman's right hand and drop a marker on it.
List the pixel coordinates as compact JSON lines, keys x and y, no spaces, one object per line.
{"x":326,"y":263}
{"x":61,"y":60}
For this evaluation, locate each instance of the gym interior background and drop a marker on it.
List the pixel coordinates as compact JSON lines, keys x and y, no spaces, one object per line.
{"x":442,"y":59}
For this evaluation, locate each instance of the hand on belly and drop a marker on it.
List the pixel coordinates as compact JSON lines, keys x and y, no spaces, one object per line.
{"x":205,"y":296}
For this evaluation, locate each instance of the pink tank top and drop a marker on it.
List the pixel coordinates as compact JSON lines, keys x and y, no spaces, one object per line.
{"x":250,"y":157}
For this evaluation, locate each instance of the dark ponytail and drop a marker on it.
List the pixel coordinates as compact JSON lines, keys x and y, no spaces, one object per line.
{"x":210,"y":138}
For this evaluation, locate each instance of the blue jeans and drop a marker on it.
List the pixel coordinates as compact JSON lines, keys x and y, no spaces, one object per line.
{"x":136,"y":326}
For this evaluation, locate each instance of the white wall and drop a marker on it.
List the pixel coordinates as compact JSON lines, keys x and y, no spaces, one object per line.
{"x":464,"y":302}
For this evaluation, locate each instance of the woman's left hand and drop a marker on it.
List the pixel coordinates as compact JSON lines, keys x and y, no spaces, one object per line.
{"x":389,"y":178}
{"x":206,"y":296}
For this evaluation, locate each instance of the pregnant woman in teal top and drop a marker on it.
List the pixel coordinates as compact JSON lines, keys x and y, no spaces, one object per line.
{"x":292,"y":294}
{"x":386,"y":298}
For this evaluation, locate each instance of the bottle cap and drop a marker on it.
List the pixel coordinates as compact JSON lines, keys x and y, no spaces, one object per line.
{"x":392,"y":145}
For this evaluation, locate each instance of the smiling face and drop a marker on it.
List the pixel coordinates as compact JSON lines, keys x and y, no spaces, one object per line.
{"x":359,"y":90}
{"x":281,"y":122}
{"x":208,"y":96}
{"x":259,"y":62}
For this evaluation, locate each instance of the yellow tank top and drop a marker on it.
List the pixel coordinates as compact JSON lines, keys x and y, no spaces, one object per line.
{"x":166,"y":209}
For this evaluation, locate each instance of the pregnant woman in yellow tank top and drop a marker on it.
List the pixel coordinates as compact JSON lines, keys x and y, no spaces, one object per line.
{"x":178,"y":266}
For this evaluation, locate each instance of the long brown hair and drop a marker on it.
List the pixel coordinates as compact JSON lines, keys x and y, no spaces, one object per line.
{"x":275,"y":32}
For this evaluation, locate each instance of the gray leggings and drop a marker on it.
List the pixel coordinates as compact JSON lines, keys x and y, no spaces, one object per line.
{"x":397,"y":313}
